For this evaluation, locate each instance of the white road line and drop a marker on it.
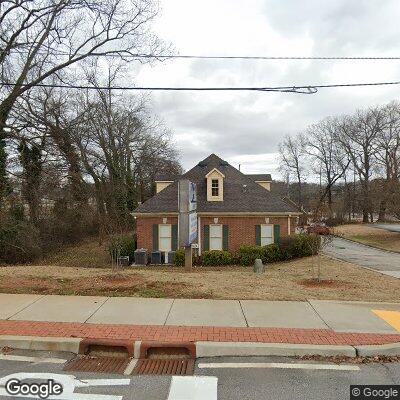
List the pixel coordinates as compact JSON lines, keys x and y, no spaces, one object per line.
{"x":282,"y":366}
{"x":193,"y":388}
{"x":69,"y":383}
{"x":130,"y":367}
{"x":11,"y":357}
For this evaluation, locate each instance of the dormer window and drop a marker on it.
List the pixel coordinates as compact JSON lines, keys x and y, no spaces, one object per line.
{"x":214,"y":187}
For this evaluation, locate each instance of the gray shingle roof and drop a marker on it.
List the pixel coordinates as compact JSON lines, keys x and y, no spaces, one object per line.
{"x":166,"y":177}
{"x":260,"y":177}
{"x":241,"y":193}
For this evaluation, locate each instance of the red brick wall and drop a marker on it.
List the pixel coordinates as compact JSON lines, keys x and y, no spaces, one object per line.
{"x":242,"y":230}
{"x":144,"y":230}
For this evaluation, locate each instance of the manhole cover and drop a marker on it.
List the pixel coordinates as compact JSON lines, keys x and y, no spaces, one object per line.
{"x":112,"y":365}
{"x":164,"y":367}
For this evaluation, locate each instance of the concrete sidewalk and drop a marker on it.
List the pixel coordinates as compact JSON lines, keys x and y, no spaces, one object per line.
{"x":339,"y":316}
{"x":206,"y":328}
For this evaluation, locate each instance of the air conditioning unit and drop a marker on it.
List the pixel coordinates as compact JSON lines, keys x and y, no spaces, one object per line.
{"x":123,"y":261}
{"x":171,"y":257}
{"x":157,"y":257}
{"x":141,"y":257}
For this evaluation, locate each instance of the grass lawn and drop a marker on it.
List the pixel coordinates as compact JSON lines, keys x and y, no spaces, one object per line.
{"x":282,"y":281}
{"x":372,"y":236}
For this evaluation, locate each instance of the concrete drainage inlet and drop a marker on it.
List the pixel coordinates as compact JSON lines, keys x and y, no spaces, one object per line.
{"x":114,"y":359}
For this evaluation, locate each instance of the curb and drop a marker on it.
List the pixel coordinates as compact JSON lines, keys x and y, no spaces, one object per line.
{"x":138,"y":349}
{"x":391,"y":349}
{"x":247,"y":349}
{"x":70,"y":345}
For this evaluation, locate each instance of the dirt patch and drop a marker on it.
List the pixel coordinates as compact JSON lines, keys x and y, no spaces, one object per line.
{"x":282,"y":281}
{"x":30,"y":285}
{"x":324,"y":283}
{"x":352,"y":360}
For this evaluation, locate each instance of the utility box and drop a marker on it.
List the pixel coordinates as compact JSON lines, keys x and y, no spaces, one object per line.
{"x":171,"y":257}
{"x":123,"y":261}
{"x":157,"y":257}
{"x":141,"y":257}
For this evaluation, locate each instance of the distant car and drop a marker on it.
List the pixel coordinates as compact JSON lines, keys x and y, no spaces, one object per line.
{"x":319,"y":229}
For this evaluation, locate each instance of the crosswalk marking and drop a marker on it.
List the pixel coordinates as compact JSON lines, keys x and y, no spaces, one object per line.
{"x":282,"y":366}
{"x":193,"y":388}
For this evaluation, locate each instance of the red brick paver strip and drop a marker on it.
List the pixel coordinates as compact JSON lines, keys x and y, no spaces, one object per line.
{"x":193,"y":333}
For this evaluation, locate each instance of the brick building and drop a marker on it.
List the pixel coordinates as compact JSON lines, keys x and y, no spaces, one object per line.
{"x":233,"y":209}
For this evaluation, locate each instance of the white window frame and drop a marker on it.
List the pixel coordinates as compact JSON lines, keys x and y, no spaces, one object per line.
{"x":216,"y":237}
{"x":215,"y":187}
{"x":164,"y":237}
{"x":266,"y":240}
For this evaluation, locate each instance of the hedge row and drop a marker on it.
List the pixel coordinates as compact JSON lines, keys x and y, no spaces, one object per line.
{"x":294,"y":246}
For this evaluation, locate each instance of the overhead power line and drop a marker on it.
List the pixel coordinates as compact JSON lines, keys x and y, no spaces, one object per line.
{"x":304,"y":89}
{"x":127,"y":54}
{"x":192,"y":56}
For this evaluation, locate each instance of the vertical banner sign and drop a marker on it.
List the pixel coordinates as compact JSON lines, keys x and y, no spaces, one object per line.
{"x":192,"y":197}
{"x":192,"y":227}
{"x":187,"y":213}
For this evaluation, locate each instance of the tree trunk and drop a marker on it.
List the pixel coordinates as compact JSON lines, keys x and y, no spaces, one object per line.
{"x":382,"y":211}
{"x":4,"y":184}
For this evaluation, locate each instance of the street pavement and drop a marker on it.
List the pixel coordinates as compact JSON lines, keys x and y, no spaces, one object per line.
{"x":388,"y":227}
{"x":223,"y":378}
{"x":341,"y":316}
{"x":382,"y":261}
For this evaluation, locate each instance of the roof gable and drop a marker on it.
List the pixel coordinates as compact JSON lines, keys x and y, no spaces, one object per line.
{"x":241,"y":193}
{"x":217,"y":171}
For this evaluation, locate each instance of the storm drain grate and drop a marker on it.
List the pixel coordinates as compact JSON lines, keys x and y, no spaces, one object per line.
{"x":112,"y":365}
{"x":164,"y":367}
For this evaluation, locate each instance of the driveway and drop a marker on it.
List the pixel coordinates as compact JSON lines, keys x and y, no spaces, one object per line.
{"x":387,"y":227}
{"x":381,"y":261}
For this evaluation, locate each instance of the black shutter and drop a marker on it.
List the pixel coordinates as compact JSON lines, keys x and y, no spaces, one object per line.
{"x":155,"y":237}
{"x":258,"y":235}
{"x":277,"y":234}
{"x":206,"y":244}
{"x":174,"y":239}
{"x":225,"y":237}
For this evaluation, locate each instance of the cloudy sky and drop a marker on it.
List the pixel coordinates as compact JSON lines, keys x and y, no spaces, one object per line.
{"x":246,"y":127}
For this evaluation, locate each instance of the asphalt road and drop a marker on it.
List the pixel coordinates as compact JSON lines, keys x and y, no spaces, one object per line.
{"x":276,"y":382}
{"x":382,"y":261}
{"x":388,"y":227}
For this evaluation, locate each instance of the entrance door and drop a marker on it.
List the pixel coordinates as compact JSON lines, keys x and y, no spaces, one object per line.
{"x":165,"y":239}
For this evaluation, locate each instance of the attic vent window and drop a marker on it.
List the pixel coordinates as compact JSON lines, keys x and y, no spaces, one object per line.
{"x":215,"y":188}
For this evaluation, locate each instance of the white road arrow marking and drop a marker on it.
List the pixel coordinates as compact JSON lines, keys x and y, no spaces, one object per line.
{"x":69,"y":383}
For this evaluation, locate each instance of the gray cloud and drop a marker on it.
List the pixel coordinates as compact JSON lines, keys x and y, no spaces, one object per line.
{"x":235,"y":124}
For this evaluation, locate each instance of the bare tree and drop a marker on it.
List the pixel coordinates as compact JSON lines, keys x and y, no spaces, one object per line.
{"x":388,"y":154}
{"x":292,"y":162}
{"x":40,"y":38}
{"x":359,"y":138}
{"x":331,"y":161}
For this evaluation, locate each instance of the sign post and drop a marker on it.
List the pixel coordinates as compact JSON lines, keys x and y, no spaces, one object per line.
{"x":187,"y":219}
